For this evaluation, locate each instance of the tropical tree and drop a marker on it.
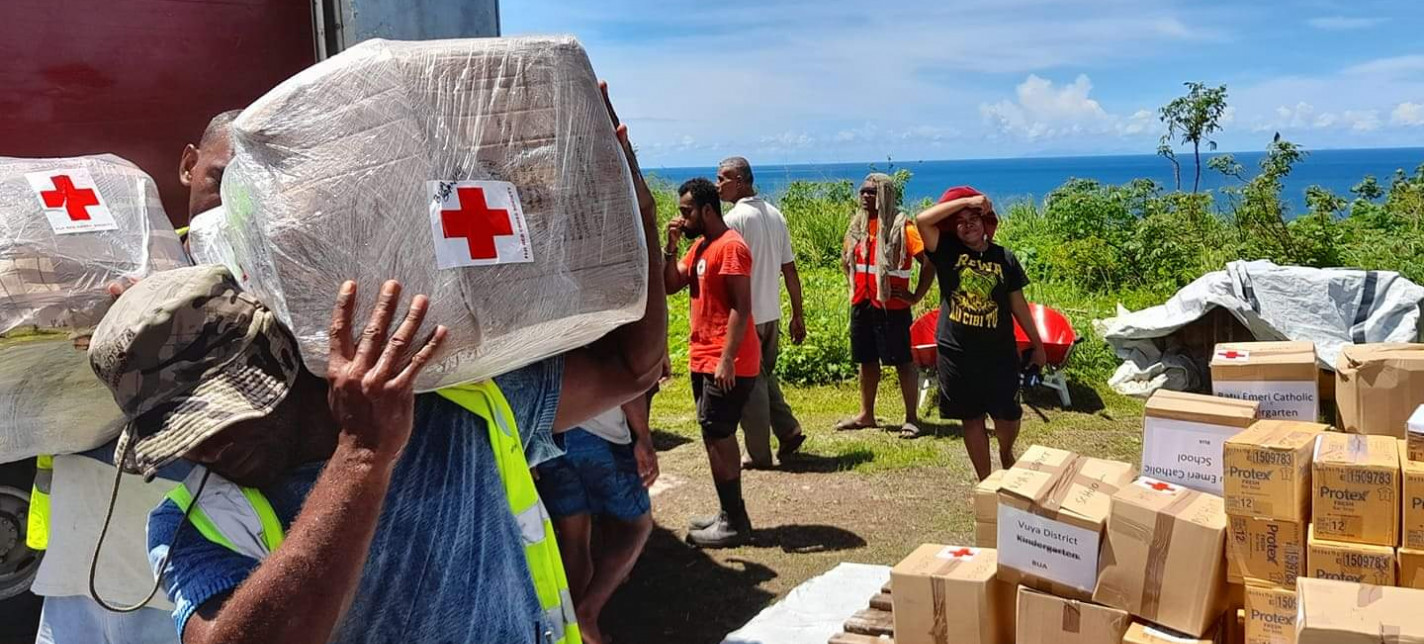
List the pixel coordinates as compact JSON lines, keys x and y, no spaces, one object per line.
{"x":1193,"y":118}
{"x":1164,"y":150}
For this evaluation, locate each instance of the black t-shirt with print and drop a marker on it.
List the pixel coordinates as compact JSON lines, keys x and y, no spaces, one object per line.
{"x":975,"y":315}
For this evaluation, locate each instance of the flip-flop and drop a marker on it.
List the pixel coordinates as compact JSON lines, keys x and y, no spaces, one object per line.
{"x":911,"y":430}
{"x":851,"y":424}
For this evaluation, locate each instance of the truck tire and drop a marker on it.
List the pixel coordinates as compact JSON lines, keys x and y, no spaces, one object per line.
{"x":18,"y":563}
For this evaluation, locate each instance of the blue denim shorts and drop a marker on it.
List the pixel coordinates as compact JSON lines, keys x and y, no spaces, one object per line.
{"x":593,"y":477}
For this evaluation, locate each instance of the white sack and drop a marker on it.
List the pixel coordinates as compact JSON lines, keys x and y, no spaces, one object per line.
{"x":53,"y":291}
{"x":333,"y":177}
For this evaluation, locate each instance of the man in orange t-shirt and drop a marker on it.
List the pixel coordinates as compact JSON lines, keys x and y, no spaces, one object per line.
{"x":881,"y":300}
{"x":724,"y":353}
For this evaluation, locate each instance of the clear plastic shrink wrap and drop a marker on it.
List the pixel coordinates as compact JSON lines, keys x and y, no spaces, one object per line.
{"x":413,"y":161}
{"x":68,"y":227}
{"x":209,"y":239}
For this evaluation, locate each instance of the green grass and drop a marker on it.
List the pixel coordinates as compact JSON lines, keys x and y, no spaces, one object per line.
{"x":1102,"y":424}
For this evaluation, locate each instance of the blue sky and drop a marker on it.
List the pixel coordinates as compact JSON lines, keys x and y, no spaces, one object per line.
{"x":787,"y":81}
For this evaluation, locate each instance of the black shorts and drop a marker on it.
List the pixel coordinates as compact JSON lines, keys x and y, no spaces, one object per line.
{"x":718,"y":410}
{"x":975,"y":385}
{"x":880,"y":335}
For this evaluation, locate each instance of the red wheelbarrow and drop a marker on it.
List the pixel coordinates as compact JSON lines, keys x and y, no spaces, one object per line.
{"x":1053,"y":327}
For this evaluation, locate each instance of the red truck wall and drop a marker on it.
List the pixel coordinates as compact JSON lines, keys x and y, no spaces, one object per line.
{"x":139,"y":78}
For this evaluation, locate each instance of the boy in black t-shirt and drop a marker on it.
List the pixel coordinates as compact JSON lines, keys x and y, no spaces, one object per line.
{"x":981,"y":286}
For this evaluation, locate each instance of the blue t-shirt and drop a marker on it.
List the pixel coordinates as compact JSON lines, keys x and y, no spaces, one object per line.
{"x":446,"y":564}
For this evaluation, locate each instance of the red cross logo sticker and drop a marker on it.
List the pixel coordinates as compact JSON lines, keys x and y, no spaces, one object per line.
{"x":1158,"y":486}
{"x":477,"y":223}
{"x":958,"y":553}
{"x":70,"y":201}
{"x":75,"y":201}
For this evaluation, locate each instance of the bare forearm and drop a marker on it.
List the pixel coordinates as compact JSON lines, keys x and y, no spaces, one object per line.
{"x":639,"y":345}
{"x":300,"y":592}
{"x":736,"y":331}
{"x":927,"y":222}
{"x":793,"y":289}
{"x":639,"y":412}
{"x":672,"y":278}
{"x":927,"y":277}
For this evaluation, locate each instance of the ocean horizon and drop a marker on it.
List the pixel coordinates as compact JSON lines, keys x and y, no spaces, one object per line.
{"x":1006,"y":180}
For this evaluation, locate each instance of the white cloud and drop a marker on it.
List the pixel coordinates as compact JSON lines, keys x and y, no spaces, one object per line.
{"x":1045,"y":111}
{"x":1396,"y":66}
{"x":1140,"y":121}
{"x":1343,"y":23}
{"x":1304,"y":117}
{"x":1407,"y":114}
{"x":1361,"y":120}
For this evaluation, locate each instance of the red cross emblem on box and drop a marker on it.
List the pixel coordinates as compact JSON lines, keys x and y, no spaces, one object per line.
{"x":477,"y":223}
{"x":1158,"y":486}
{"x":71,"y":201}
{"x":957,"y":553}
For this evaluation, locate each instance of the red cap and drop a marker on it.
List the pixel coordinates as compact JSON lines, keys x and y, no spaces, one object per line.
{"x":991,"y":219}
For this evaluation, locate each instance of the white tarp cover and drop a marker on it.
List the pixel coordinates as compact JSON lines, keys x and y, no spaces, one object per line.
{"x":817,"y":609}
{"x":1331,"y":307}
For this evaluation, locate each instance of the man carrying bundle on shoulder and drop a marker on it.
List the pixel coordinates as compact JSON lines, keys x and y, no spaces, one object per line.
{"x":345,"y":508}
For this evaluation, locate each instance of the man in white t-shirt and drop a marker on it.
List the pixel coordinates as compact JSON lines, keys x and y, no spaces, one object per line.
{"x":764,"y":229}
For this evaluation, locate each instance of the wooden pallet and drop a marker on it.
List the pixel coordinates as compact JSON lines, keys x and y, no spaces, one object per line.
{"x":872,"y":625}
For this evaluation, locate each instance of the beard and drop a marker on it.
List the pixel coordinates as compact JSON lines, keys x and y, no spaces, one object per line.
{"x":690,"y":232}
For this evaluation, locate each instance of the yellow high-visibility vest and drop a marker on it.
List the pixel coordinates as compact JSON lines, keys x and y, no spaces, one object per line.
{"x":37,"y":528}
{"x":242,"y":520}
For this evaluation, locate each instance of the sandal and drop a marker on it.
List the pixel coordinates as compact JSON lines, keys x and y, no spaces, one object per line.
{"x":851,"y":424}
{"x":911,"y":430}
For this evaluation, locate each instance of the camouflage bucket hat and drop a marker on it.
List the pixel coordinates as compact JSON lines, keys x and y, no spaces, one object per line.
{"x":186,"y":354}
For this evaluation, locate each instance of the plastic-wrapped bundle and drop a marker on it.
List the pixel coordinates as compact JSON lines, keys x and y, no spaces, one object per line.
{"x":484,"y":173}
{"x":68,"y":227}
{"x":209,"y":239}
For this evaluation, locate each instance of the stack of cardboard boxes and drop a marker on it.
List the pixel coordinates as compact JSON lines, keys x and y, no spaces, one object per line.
{"x":1047,"y":516}
{"x":986,"y":510}
{"x":1252,"y":523}
{"x":1268,"y":497}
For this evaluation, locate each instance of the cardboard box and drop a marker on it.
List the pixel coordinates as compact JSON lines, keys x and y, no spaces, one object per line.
{"x":1140,"y":633}
{"x":1182,"y":437}
{"x":1270,"y":615}
{"x":1265,"y":550}
{"x":1051,"y":516}
{"x":1414,"y":435}
{"x":1357,"y":562}
{"x":986,"y":535}
{"x":1268,"y":470}
{"x":1378,"y":386}
{"x":1162,"y":556}
{"x":986,"y":498}
{"x":1046,"y":619}
{"x":1281,"y":376}
{"x":1411,"y":568}
{"x":1412,"y":501}
{"x":1357,"y":489}
{"x":951,"y":593}
{"x":1341,"y":612}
